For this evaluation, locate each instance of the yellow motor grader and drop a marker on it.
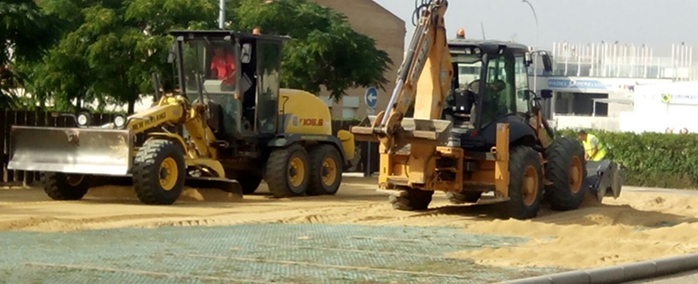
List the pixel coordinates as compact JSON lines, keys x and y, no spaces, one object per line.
{"x":228,"y":133}
{"x":477,"y":128}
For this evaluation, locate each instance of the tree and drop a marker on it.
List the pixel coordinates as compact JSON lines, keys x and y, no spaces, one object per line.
{"x":324,"y":51}
{"x":25,"y":33}
{"x":109,"y":49}
{"x":156,"y":18}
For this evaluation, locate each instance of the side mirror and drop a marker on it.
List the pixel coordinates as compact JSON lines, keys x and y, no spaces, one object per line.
{"x":246,"y":53}
{"x":547,"y":62}
{"x":529,"y":58}
{"x":546,"y":94}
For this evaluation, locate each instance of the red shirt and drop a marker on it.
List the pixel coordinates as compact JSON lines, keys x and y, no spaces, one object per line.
{"x":224,"y":68}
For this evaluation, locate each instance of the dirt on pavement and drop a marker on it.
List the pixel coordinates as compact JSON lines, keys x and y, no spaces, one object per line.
{"x":638,"y":226}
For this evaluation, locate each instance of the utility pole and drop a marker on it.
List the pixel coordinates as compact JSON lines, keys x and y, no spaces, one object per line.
{"x":221,"y":18}
{"x":535,"y":61}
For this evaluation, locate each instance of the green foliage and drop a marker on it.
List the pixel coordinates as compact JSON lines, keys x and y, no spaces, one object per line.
{"x":652,"y":159}
{"x":324,"y":51}
{"x":25,"y":33}
{"x":73,"y":51}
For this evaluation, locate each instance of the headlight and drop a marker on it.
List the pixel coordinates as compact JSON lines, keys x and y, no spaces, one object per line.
{"x":119,"y":121}
{"x":83,"y":119}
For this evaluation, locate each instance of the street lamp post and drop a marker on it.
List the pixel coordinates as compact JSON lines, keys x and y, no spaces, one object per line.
{"x":535,"y":61}
{"x":221,"y":15}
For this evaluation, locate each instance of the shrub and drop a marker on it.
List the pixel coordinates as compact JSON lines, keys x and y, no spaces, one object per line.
{"x":652,"y":159}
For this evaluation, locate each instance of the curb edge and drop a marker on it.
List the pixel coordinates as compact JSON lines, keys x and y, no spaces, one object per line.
{"x":618,"y":273}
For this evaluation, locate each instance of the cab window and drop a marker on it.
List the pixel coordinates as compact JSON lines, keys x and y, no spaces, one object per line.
{"x":521,"y":76}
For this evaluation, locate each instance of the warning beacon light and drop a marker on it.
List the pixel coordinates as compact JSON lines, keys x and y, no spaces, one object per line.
{"x":460,"y":33}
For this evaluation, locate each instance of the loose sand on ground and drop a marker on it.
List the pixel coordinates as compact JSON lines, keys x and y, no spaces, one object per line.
{"x":637,"y":226}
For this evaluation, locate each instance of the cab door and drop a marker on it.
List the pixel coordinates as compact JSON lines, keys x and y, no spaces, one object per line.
{"x":268,"y":76}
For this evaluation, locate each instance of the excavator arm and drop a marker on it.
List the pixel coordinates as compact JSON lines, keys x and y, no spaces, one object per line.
{"x":428,"y":51}
{"x":424,"y":78}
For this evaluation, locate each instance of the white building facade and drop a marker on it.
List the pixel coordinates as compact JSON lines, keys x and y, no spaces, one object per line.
{"x":595,"y":85}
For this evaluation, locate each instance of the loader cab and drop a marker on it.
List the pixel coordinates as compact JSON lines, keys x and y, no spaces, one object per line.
{"x":236,"y":74}
{"x":490,"y":85}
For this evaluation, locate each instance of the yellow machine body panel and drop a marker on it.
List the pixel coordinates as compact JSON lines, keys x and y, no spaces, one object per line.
{"x":303,"y":113}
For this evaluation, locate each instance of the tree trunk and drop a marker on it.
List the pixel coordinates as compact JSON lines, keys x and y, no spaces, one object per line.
{"x":131,"y":106}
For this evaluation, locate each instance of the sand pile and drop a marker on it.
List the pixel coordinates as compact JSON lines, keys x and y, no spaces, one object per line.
{"x":636,"y":227}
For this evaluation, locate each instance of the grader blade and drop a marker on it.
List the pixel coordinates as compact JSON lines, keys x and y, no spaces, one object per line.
{"x":227,"y":185}
{"x":414,"y":130}
{"x":70,"y":150}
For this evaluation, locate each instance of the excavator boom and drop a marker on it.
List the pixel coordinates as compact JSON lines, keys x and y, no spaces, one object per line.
{"x":424,"y":80}
{"x":427,"y":71}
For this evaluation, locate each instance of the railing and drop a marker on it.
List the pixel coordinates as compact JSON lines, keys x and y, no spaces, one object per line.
{"x":621,"y":61}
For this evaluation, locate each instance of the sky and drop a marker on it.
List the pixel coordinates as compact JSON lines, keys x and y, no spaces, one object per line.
{"x":657,"y":23}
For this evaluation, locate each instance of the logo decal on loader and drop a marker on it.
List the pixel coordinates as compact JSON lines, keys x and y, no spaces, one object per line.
{"x":312,"y":122}
{"x":148,"y":121}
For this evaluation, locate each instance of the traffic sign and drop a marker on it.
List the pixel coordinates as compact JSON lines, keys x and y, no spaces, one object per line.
{"x":371,"y":97}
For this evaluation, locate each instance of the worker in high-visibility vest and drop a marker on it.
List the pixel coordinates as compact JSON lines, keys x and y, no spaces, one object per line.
{"x":594,"y":150}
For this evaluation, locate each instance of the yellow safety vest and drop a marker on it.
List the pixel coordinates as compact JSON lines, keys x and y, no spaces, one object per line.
{"x":600,"y":154}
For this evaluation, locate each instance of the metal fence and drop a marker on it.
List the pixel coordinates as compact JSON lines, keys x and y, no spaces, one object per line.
{"x":43,"y":118}
{"x":622,"y":60}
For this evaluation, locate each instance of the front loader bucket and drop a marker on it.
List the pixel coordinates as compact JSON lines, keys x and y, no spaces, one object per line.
{"x":413,"y":130}
{"x":605,"y":178}
{"x":70,"y":150}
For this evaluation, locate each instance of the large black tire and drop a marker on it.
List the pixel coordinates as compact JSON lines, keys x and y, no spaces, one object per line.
{"x":414,"y":200}
{"x":463,"y":197}
{"x":288,"y":171}
{"x":60,"y":186}
{"x":326,"y":170}
{"x":524,"y":163}
{"x":566,"y":169}
{"x":159,"y":171}
{"x":249,"y":183}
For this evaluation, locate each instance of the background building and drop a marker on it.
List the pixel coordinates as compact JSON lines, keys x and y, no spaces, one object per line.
{"x":595,"y":85}
{"x":388,"y":30}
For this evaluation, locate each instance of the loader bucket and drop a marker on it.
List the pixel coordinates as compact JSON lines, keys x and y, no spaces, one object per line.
{"x":70,"y":150}
{"x":605,"y":178}
{"x":413,"y":130}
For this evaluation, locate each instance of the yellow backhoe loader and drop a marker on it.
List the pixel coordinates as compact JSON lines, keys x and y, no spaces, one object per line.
{"x":476,"y":128}
{"x":222,"y":130}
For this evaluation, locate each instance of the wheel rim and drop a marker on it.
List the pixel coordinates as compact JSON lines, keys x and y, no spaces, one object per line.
{"x":576,"y":174}
{"x":74,"y":180}
{"x":329,"y":171}
{"x":530,"y":186}
{"x":168,"y":173}
{"x":296,"y":171}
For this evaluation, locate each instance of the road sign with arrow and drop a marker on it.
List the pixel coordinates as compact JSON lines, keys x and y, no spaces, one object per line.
{"x":371,"y":97}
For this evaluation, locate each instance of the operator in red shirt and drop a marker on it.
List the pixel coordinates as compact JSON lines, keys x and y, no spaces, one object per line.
{"x":223,"y":67}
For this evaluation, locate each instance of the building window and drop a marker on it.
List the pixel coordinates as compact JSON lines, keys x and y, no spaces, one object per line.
{"x":350,"y":107}
{"x":581,"y":104}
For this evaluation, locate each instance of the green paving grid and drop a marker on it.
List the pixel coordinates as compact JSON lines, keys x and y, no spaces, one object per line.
{"x":279,"y":253}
